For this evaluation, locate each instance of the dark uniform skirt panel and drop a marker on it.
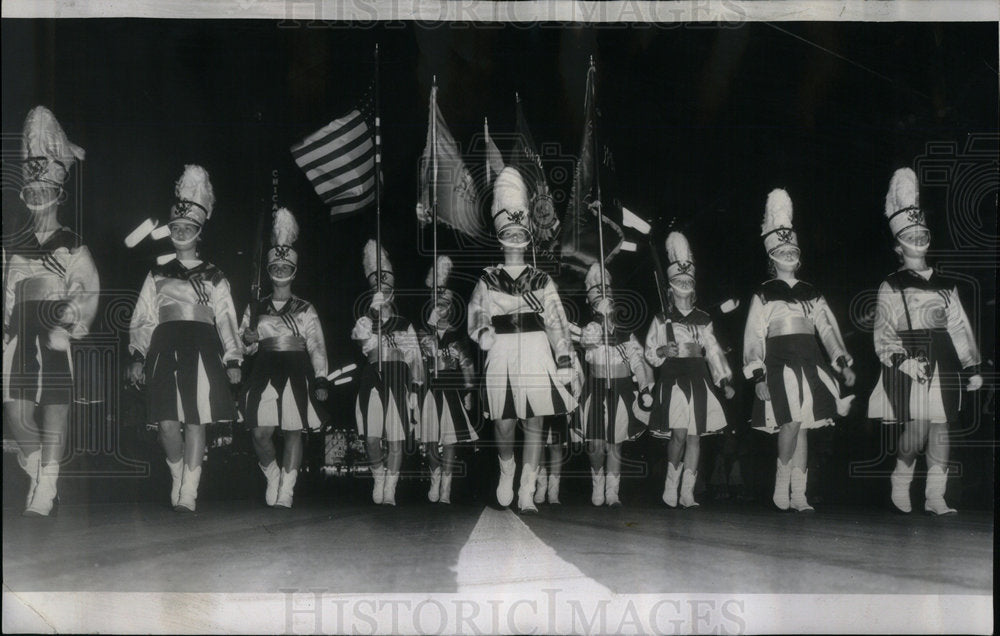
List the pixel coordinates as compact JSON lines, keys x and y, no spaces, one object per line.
{"x":443,"y":416}
{"x":185,"y":375}
{"x":609,"y":413}
{"x":32,"y":371}
{"x":290,"y":377}
{"x":897,"y":398}
{"x":803,"y":387}
{"x":689,"y":380}
{"x":382,"y":409}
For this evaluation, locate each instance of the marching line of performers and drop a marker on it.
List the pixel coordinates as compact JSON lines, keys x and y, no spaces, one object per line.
{"x":187,"y":346}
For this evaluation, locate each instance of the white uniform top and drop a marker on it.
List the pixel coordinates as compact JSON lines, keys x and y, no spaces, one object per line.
{"x":57,"y":269}
{"x":692,"y":329}
{"x":181,"y":286}
{"x":296,"y":318}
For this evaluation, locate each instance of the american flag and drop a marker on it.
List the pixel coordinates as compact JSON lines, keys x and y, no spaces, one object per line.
{"x":339,"y":160}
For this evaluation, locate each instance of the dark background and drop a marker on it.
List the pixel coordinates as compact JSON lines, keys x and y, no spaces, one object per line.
{"x":704,"y":122}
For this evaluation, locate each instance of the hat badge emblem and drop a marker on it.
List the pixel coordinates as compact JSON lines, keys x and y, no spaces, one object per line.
{"x":516,"y":216}
{"x":915,"y":215}
{"x":785,"y":235}
{"x":36,"y":166}
{"x":685,"y":267}
{"x":281,"y":251}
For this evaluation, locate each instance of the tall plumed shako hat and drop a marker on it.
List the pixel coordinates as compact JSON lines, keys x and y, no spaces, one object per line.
{"x":777,"y":230}
{"x":592,"y":281}
{"x":195,"y":198}
{"x":284,"y":232}
{"x":902,"y":203}
{"x":46,"y":153}
{"x":510,"y":208}
{"x":680,"y":262}
{"x":369,"y":260}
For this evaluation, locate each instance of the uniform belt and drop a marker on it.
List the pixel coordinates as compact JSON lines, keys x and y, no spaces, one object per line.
{"x":41,"y":288}
{"x":283,"y":343}
{"x":925,"y":320}
{"x":518,"y":323}
{"x":688,"y":350}
{"x":790,"y":326}
{"x":614,"y":370}
{"x":392,"y":355}
{"x":196,"y":313}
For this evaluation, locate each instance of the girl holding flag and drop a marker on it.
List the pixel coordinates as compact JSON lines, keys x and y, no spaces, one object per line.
{"x":288,"y":381}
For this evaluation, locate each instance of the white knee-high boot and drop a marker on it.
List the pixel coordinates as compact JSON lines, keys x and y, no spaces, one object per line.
{"x":541,"y":485}
{"x":32,"y":465}
{"x":937,"y":480}
{"x":391,"y":479}
{"x":445,"y":488}
{"x":597,"y":486}
{"x":670,"y":484}
{"x":782,"y":483}
{"x":526,"y":493}
{"x":687,"y":489}
{"x":901,"y":478}
{"x":273,"y":475}
{"x":286,"y":488}
{"x":798,"y":481}
{"x":505,"y":489}
{"x":611,"y":483}
{"x":378,"y":489}
{"x":434,"y":494}
{"x":45,"y":492}
{"x":189,"y":489}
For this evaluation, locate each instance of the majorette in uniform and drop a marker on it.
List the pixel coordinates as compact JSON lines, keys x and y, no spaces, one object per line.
{"x":184,"y":341}
{"x":516,"y":317}
{"x":444,"y":418}
{"x":923,"y":339}
{"x":387,"y":404}
{"x":616,"y":398}
{"x":288,"y":379}
{"x":796,"y":389}
{"x":693,"y":378}
{"x":50,"y":296}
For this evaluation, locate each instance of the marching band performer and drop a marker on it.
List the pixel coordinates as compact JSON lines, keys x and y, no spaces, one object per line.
{"x":924,"y":340}
{"x":615,"y":408}
{"x":796,"y":389}
{"x":184,"y":341}
{"x":516,"y":317}
{"x":391,"y":382}
{"x":444,"y":419}
{"x":694,"y":375}
{"x":288,"y":380}
{"x":50,"y":296}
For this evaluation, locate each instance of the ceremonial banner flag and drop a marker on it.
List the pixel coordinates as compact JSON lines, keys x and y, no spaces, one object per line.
{"x":579,"y":239}
{"x":339,"y":161}
{"x":524,"y":157}
{"x":443,"y":169}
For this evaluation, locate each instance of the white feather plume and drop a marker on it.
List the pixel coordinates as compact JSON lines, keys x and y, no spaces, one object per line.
{"x":777,"y":211}
{"x":44,"y":137}
{"x":903,"y":192}
{"x":444,"y":265}
{"x":678,"y":250}
{"x":194,"y":185}
{"x":593,"y":277}
{"x":369,"y":258}
{"x":285,"y":229}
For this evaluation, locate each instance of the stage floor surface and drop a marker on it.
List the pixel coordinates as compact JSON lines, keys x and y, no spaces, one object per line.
{"x":351,"y":546}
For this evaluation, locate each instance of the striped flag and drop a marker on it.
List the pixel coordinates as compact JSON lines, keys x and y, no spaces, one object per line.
{"x":339,"y":161}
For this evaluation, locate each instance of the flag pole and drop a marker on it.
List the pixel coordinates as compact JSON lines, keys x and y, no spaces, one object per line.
{"x":434,"y":206}
{"x":486,"y":155}
{"x":600,"y":224}
{"x":378,"y":208}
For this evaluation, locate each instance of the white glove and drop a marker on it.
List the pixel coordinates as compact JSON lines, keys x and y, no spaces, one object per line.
{"x":362,"y":329}
{"x":414,"y":402}
{"x":487,"y":339}
{"x":975,"y":383}
{"x":591,"y":335}
{"x":378,"y":299}
{"x":914,"y":368}
{"x":604,"y":306}
{"x":58,"y":339}
{"x":566,"y":375}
